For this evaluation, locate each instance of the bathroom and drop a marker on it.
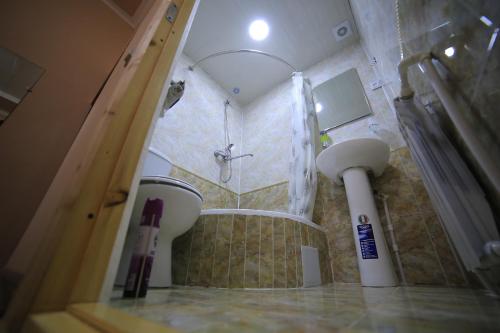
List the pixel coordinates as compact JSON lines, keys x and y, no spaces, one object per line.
{"x":246,"y":100}
{"x":279,"y":132}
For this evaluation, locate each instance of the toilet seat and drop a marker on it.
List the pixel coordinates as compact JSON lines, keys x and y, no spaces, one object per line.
{"x":169,"y":181}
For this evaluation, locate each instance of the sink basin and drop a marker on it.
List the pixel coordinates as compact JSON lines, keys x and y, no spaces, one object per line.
{"x":369,"y":154}
{"x":348,"y":163}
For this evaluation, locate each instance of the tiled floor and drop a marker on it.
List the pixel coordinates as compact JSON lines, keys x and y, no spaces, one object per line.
{"x":339,"y":308}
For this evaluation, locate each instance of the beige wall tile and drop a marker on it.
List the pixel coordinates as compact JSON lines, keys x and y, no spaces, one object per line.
{"x":208,"y":249}
{"x":214,"y":196}
{"x":344,"y":257}
{"x":298,"y":252}
{"x":181,"y":246}
{"x":274,"y":197}
{"x":240,"y":251}
{"x":252,"y":257}
{"x":324,"y":260}
{"x":420,"y":261}
{"x":451,"y":268}
{"x":279,"y":253}
{"x":291,"y":255}
{"x":237,"y":264}
{"x":193,"y":277}
{"x":304,"y":234}
{"x":266,"y":263}
{"x":220,"y":275}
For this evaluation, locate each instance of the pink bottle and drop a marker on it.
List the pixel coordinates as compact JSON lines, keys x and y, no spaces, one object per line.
{"x":141,"y":263}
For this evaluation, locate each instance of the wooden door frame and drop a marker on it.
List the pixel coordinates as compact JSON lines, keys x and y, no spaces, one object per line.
{"x":87,"y":207}
{"x":91,"y":318}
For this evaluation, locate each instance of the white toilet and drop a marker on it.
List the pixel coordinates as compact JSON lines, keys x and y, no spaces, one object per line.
{"x":181,"y":208}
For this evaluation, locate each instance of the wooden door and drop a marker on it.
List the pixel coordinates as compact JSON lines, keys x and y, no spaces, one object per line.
{"x":86,"y":204}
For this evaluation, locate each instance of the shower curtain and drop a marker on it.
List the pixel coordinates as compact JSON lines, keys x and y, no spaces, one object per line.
{"x":302,"y":171}
{"x":454,"y":192}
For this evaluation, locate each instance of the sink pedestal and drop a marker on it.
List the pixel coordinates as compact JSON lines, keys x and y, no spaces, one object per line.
{"x":346,"y":163}
{"x":374,"y":260}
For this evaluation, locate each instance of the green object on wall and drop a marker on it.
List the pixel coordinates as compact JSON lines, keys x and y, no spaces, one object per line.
{"x":324,"y":139}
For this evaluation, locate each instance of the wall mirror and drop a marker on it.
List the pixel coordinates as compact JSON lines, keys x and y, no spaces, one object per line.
{"x":340,"y":100}
{"x":17,"y":78}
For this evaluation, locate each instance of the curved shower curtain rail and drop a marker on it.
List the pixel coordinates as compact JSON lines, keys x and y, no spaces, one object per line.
{"x":243,"y":51}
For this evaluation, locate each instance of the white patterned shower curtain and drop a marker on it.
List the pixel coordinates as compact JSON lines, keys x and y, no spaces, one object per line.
{"x":455,"y":194}
{"x":302,"y":172}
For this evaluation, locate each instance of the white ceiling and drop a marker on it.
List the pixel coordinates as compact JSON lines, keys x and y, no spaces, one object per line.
{"x":300,"y":33}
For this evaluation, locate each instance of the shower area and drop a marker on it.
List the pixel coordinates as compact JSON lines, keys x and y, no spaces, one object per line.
{"x":256,"y":156}
{"x":254,"y":164}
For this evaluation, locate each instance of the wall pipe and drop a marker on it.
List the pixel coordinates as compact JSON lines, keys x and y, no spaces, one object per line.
{"x":406,"y":90}
{"x":394,"y":244}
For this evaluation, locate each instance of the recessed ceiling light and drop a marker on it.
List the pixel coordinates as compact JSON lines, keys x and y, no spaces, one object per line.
{"x":318,"y":107}
{"x":449,"y":51}
{"x":258,"y":30}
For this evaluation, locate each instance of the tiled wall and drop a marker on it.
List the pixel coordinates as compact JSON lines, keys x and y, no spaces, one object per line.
{"x":426,"y":255}
{"x":274,"y":197}
{"x":270,"y":113}
{"x":264,"y":176}
{"x":193,"y":128}
{"x":238,"y":251}
{"x":267,"y":134}
{"x":214,"y":195}
{"x":474,"y":69}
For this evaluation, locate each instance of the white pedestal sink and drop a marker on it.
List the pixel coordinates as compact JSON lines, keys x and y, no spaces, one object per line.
{"x":348,"y":163}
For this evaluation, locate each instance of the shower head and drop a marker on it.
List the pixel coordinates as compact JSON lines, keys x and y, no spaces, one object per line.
{"x":231,"y":145}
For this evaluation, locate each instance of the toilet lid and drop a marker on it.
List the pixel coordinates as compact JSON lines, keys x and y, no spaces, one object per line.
{"x":169,"y":181}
